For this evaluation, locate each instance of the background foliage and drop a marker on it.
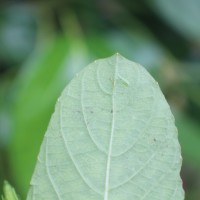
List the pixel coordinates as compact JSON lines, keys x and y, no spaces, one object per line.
{"x":44,"y":43}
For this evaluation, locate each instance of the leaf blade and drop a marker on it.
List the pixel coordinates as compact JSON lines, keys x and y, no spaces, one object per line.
{"x":112,"y":136}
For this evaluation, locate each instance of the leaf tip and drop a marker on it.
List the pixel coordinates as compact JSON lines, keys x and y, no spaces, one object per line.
{"x":118,"y":54}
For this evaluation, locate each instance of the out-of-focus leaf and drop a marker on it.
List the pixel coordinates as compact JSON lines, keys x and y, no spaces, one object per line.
{"x":17,"y":32}
{"x":99,"y":47}
{"x":112,"y":136}
{"x":189,"y":136}
{"x":191,"y":83}
{"x":183,"y":15}
{"x":9,"y":192}
{"x":37,"y":88}
{"x":5,"y":124}
{"x":137,"y":46}
{"x":142,"y":48}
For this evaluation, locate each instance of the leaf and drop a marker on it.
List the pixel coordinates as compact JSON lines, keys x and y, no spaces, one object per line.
{"x":189,"y":138}
{"x":112,"y":136}
{"x":9,"y":192}
{"x":36,"y":93}
{"x":37,"y":88}
{"x":183,"y":15}
{"x":138,"y":45}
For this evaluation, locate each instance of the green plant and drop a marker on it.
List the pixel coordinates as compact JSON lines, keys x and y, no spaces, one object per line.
{"x":9,"y":192}
{"x":112,"y":136}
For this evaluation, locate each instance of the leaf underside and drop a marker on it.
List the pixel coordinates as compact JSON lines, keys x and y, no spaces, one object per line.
{"x":112,"y":137}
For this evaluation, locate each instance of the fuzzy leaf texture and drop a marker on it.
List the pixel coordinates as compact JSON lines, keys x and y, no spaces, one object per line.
{"x":112,"y":137}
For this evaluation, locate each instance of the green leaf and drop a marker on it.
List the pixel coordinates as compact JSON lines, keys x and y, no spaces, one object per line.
{"x":9,"y":192}
{"x":189,"y":138}
{"x":112,"y":136}
{"x":37,"y":88}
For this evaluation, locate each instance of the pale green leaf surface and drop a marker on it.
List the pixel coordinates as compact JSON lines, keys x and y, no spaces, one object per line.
{"x":112,"y":137}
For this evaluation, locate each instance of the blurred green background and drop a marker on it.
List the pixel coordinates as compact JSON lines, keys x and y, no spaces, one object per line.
{"x":44,"y":43}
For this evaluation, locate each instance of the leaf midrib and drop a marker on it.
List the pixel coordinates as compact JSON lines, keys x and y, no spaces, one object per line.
{"x":107,"y":178}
